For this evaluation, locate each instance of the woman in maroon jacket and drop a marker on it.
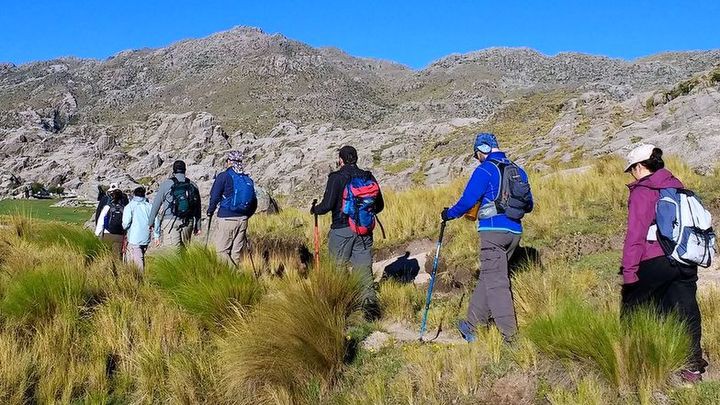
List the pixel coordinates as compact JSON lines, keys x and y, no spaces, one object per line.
{"x":649,"y":276}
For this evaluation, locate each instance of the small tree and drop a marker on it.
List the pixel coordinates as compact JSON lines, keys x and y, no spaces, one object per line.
{"x":56,"y":190}
{"x":36,"y":187}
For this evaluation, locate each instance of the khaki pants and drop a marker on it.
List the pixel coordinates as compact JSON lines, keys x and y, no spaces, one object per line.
{"x":173,"y":234}
{"x":231,"y":238}
{"x":116,"y":243}
{"x":136,"y":254}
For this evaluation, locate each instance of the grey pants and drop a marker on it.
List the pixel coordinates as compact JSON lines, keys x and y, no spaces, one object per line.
{"x":136,"y":254}
{"x":492,"y":297}
{"x":230,"y":238}
{"x":347,"y":247}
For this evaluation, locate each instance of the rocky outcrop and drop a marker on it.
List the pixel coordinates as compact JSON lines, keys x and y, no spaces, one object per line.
{"x":289,"y":106}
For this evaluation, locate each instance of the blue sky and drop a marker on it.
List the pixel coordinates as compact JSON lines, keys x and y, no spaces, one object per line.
{"x":410,"y":32}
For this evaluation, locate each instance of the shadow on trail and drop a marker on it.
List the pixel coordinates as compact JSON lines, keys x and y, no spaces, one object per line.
{"x":403,"y":269}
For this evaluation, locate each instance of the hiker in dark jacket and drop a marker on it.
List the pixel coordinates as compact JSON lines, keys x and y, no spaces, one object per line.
{"x":343,"y":243}
{"x":174,"y":231}
{"x":109,"y":224}
{"x":499,"y":237}
{"x":103,"y":198}
{"x":649,"y":276}
{"x":232,"y":221}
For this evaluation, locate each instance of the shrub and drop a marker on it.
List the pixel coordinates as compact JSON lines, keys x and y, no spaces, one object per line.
{"x":39,"y":293}
{"x":15,"y":370}
{"x":399,"y":167}
{"x":204,"y":285}
{"x":399,"y":301}
{"x":56,"y":190}
{"x":709,"y":301}
{"x":639,"y":354}
{"x":681,"y":89}
{"x":294,"y":342}
{"x":36,"y":187}
{"x":715,"y":77}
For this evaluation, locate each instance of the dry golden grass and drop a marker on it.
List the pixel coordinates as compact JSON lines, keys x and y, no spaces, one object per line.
{"x":104,"y":335}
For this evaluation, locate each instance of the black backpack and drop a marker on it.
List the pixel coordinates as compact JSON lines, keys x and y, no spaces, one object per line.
{"x":515,"y":198}
{"x":113,"y":219}
{"x":184,"y":199}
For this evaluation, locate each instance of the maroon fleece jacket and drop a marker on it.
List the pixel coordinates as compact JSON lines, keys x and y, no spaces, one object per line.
{"x":644,"y":195}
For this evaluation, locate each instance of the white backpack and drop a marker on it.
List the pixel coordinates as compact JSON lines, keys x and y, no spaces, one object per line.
{"x":683,"y":227}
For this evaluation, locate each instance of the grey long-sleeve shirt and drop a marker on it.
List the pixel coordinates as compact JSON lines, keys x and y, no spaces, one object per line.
{"x":161,"y":203}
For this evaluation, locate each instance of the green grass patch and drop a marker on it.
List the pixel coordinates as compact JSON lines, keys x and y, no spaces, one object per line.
{"x":703,"y":393}
{"x":50,"y":233}
{"x":41,"y":209}
{"x":36,"y":295}
{"x":203,"y":284}
{"x":638,"y":354}
{"x":400,"y":301}
{"x":399,"y":166}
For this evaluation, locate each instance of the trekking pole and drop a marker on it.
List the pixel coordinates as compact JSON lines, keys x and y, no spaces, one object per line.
{"x":123,"y":250}
{"x":207,"y":236}
{"x":250,"y":254}
{"x":423,"y":326}
{"x":316,"y":237}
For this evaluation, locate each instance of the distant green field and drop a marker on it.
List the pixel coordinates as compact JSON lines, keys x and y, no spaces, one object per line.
{"x":41,"y":209}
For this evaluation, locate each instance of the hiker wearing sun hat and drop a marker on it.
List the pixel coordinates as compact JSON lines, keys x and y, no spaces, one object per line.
{"x":649,"y":276}
{"x":104,"y":198}
{"x":109,"y":221}
{"x":234,"y":193}
{"x":498,"y":196}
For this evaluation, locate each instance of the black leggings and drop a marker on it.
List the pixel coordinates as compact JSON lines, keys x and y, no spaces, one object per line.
{"x":669,"y":287}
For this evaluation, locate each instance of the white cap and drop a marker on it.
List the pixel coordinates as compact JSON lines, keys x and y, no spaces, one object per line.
{"x":113,"y":187}
{"x":639,"y":154}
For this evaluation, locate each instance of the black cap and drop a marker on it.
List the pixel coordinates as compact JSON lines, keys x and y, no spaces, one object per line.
{"x":348,"y":154}
{"x":179,"y":167}
{"x":139,"y":192}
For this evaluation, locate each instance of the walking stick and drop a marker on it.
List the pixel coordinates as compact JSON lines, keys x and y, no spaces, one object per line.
{"x":316,"y":237}
{"x":123,"y":250}
{"x":428,"y":299}
{"x":250,"y":254}
{"x":207,"y":235}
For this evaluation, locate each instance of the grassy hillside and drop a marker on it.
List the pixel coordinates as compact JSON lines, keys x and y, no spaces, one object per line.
{"x":78,"y":327}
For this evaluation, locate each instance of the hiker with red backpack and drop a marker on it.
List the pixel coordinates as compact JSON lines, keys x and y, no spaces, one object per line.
{"x":177,"y":209}
{"x":669,"y":235}
{"x":234,"y":193}
{"x":497,"y":195}
{"x":109,"y":224}
{"x":354,"y":198}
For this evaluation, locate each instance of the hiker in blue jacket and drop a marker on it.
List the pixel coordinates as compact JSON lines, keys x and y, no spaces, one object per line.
{"x":499,"y":212}
{"x":234,"y":192}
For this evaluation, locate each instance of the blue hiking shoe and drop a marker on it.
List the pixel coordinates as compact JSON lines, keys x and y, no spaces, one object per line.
{"x":467,"y":331}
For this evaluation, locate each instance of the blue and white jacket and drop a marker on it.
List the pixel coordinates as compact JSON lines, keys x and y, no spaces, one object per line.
{"x":484,"y":187}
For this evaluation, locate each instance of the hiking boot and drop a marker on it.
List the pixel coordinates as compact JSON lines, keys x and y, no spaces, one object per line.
{"x":467,"y":331}
{"x":690,"y":376}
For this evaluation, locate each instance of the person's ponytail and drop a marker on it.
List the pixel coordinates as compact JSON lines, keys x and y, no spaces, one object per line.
{"x":656,"y":161}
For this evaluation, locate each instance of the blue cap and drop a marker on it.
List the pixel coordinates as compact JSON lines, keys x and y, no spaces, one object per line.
{"x":485,"y":142}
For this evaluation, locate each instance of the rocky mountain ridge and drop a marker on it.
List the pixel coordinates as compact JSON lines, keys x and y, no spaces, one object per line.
{"x":76,"y":123}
